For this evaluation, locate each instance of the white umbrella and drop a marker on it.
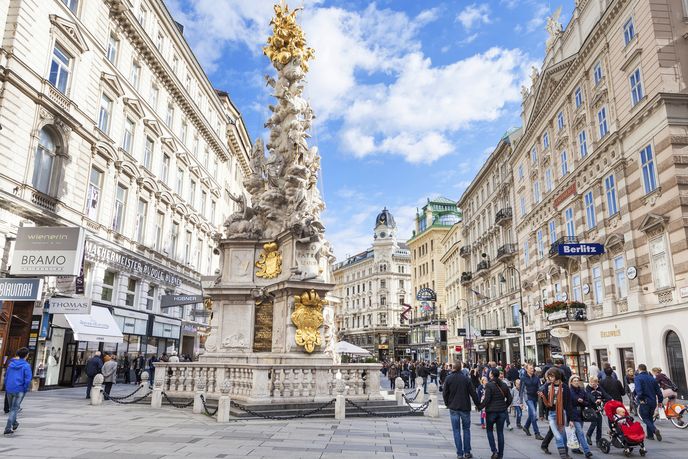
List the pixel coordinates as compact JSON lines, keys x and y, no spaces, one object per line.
{"x":344,"y":347}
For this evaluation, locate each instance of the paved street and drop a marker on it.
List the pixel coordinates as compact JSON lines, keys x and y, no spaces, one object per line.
{"x":61,"y":423}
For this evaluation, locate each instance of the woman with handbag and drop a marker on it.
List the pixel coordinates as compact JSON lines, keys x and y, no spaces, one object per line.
{"x":579,"y":402}
{"x":556,"y":397}
{"x":599,"y":397}
{"x":629,"y":387}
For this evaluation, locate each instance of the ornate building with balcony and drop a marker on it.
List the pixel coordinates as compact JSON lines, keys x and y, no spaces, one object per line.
{"x":487,"y":298}
{"x":602,"y":160}
{"x":109,"y":123}
{"x":373,"y":289}
{"x":453,"y":268}
{"x":428,"y":333}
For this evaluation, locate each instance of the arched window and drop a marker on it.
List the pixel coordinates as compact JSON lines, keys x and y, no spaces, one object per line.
{"x":44,"y":162}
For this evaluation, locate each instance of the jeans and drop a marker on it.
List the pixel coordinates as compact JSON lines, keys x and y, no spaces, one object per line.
{"x":461,"y":422}
{"x":559,"y":435}
{"x":14,"y":399}
{"x":596,"y":425}
{"x":392,"y":382}
{"x":532,"y":416}
{"x":647,"y":411}
{"x":496,"y":419}
{"x":519,"y":413}
{"x":581,"y":438}
{"x":89,"y":386}
{"x":425,"y":385}
{"x":108,"y":387}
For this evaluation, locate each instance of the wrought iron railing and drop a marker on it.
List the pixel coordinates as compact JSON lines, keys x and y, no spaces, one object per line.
{"x":554,"y":248}
{"x":503,"y":216}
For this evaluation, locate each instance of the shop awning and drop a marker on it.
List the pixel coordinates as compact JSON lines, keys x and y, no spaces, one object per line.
{"x":99,"y":326}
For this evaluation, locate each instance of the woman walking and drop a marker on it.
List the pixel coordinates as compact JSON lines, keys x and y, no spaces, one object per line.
{"x":392,"y":375}
{"x":598,"y":397}
{"x":530,"y":384}
{"x":496,"y":402}
{"x":629,"y":388}
{"x":579,"y":401}
{"x":557,"y":398}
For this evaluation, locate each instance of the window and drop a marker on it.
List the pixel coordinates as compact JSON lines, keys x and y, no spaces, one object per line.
{"x":661,"y":270}
{"x":187,"y":248}
{"x":44,"y":162}
{"x":577,"y":293}
{"x":620,"y":276}
{"x":545,"y":141}
{"x":148,"y":152}
{"x":108,"y":286}
{"x":111,"y":53}
{"x":610,"y":191}
{"x":130,"y":297}
{"x":383,"y":301}
{"x":150,"y":297}
{"x":570,"y":222}
{"x":383,"y":283}
{"x":648,"y":166}
{"x":183,"y":131}
{"x":180,"y":181}
{"x":71,"y":4}
{"x":629,"y":31}
{"x":204,"y":198}
{"x":59,"y":69}
{"x":120,"y":202}
{"x":636,"y":87}
{"x":174,"y":239}
{"x":195,"y":146}
{"x":560,"y":121}
{"x":159,"y":42}
{"x":104,"y":115}
{"x":165,"y":167}
{"x":153,"y":98}
{"x":192,"y":194}
{"x":214,"y":171}
{"x":93,"y":194}
{"x":159,"y":227}
{"x":175,"y":64}
{"x":212,"y":211}
{"x":597,"y":284}
{"x":169,"y":118}
{"x":533,"y":154}
{"x":536,"y":192}
{"x":522,"y":204}
{"x":142,"y":211}
{"x":135,"y":74}
{"x":540,"y":244}
{"x":142,"y":16}
{"x":564,"y":163}
{"x":602,"y":121}
{"x":520,"y":171}
{"x":578,"y":97}
{"x":128,"y":136}
{"x":548,"y":180}
{"x":597,"y":73}
{"x":583,"y":144}
{"x":589,"y":200}
{"x":552,"y":232}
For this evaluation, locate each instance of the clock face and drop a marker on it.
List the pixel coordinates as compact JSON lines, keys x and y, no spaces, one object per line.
{"x":586,"y":289}
{"x":383,"y":234}
{"x":631,"y":272}
{"x":564,"y":296}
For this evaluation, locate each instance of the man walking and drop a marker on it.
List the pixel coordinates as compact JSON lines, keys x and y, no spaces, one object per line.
{"x":109,"y":371}
{"x":530,"y":385}
{"x":457,"y":394}
{"x":649,"y":394}
{"x":423,"y":373}
{"x":93,"y":366}
{"x":17,"y":381}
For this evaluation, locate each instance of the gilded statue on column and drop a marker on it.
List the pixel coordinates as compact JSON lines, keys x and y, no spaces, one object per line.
{"x":308,"y":318}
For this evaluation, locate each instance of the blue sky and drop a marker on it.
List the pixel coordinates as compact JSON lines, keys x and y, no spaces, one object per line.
{"x":410,"y":95}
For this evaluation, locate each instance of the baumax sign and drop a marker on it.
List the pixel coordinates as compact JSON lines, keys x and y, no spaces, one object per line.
{"x":53,"y":251}
{"x":21,"y":289}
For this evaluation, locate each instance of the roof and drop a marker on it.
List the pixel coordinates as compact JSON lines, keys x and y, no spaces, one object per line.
{"x":385,"y":218}
{"x":359,"y":257}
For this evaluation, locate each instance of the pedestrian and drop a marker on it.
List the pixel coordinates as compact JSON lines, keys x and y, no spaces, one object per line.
{"x":502,"y":378}
{"x":649,"y":394}
{"x":444,"y":372}
{"x":174,"y":358}
{"x":603,"y":373}
{"x":481,"y":395}
{"x":557,"y":398}
{"x":599,"y":396}
{"x":432,"y":372}
{"x":530,"y":384}
{"x":475,"y":376}
{"x":109,"y":372}
{"x":565,"y":369}
{"x":517,"y":403}
{"x":629,"y":388}
{"x":611,"y":384}
{"x":17,"y":382}
{"x":593,"y":370}
{"x":457,"y":394}
{"x":139,"y":365}
{"x":579,"y":401}
{"x":412,"y":375}
{"x":423,"y":373}
{"x":93,"y":366}
{"x":392,"y":375}
{"x":126,"y":368}
{"x":665,"y":384}
{"x":495,"y":403}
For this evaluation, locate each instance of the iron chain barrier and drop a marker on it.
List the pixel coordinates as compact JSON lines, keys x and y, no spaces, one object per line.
{"x":303,"y":414}
{"x":205,"y":407}
{"x":177,"y":405}
{"x":121,"y":400}
{"x":422,"y":407}
{"x":410,"y":400}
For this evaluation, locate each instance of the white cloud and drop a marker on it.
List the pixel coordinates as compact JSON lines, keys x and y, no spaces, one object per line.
{"x":541,"y":11}
{"x":474,"y":15}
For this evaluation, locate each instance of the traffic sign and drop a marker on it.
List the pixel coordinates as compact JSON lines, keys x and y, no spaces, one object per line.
{"x":578,"y":250}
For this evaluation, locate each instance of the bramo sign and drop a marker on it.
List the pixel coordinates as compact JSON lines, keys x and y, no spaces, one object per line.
{"x":55,"y":251}
{"x":579,"y":250}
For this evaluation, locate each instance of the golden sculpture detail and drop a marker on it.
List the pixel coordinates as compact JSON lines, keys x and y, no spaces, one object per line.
{"x":208,"y":304}
{"x":270,"y":263}
{"x":288,"y":40}
{"x":308,"y":318}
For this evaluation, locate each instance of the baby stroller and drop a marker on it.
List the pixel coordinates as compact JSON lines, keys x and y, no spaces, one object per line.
{"x":625,"y":433}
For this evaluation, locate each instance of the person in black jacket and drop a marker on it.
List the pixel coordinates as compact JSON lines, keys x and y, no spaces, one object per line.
{"x":496,"y":403}
{"x":93,"y":367}
{"x":423,"y":373}
{"x":457,"y":394}
{"x":611,"y":385}
{"x":579,"y":401}
{"x":599,"y":397}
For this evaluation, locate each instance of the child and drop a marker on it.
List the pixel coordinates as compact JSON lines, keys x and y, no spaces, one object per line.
{"x":508,"y":420}
{"x":481,"y":395}
{"x":621,"y":416}
{"x":517,"y":402}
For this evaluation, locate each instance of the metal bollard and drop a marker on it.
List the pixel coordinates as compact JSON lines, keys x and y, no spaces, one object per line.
{"x":433,"y":410}
{"x":224,"y":404}
{"x":97,"y":390}
{"x":156,"y":396}
{"x":399,"y":391}
{"x":200,"y":391}
{"x":340,"y":401}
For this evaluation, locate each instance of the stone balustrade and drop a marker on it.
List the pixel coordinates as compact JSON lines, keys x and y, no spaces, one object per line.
{"x":268,"y":383}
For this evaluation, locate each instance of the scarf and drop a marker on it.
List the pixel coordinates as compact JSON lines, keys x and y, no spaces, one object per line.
{"x":559,"y":408}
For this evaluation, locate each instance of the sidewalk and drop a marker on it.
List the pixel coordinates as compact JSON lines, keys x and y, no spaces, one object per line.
{"x":61,"y":423}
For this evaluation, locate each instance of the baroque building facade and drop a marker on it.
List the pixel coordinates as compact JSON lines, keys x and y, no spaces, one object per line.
{"x":109,"y":123}
{"x":601,"y":159}
{"x":372,"y":289}
{"x":428,"y":319}
{"x":453,"y":267}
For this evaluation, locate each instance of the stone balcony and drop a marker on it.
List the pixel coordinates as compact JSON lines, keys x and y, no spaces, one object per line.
{"x":43,"y":200}
{"x":504,"y":217}
{"x":482,"y":268}
{"x":561,"y":260}
{"x":465,"y":251}
{"x":571,"y":314}
{"x":506,"y":252}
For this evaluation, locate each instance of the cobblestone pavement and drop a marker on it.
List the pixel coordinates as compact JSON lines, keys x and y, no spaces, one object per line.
{"x":61,"y":423}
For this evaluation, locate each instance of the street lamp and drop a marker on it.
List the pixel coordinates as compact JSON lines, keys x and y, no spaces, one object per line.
{"x":520,"y":309}
{"x":468,"y":318}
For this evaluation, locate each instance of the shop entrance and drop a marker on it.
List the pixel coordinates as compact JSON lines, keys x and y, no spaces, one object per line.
{"x":627,"y":358}
{"x":677,"y":369}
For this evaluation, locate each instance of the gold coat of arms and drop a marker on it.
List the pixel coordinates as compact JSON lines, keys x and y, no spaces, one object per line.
{"x":308,"y":318}
{"x":270,"y":263}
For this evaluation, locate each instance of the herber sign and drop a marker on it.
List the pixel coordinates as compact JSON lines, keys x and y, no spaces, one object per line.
{"x":55,"y":251}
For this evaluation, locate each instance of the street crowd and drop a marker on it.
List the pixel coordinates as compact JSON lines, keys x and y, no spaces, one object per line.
{"x":550,"y":394}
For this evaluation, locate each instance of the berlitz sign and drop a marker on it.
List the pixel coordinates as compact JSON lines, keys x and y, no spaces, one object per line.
{"x":48,"y":252}
{"x":69,"y":306}
{"x":578,"y":250}
{"x":21,"y":289}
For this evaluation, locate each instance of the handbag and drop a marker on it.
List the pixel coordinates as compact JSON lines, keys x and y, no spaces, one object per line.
{"x":662,"y":413}
{"x":571,"y":439}
{"x":589,"y":414}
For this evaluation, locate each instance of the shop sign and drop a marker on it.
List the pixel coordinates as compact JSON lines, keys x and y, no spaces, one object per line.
{"x":481,"y":347}
{"x":121,"y":260}
{"x":568,"y":192}
{"x":513,"y":329}
{"x":560,"y":332}
{"x":460,"y":332}
{"x":530,"y":339}
{"x":557,"y":315}
{"x":572,"y":249}
{"x":610,"y":333}
{"x":458,"y":348}
{"x":69,"y":306}
{"x":426,"y":294}
{"x":169,"y":301}
{"x":489,"y":332}
{"x":189,"y":329}
{"x":48,"y":251}
{"x":383,"y":346}
{"x":21,"y":289}
{"x":542,"y":337}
